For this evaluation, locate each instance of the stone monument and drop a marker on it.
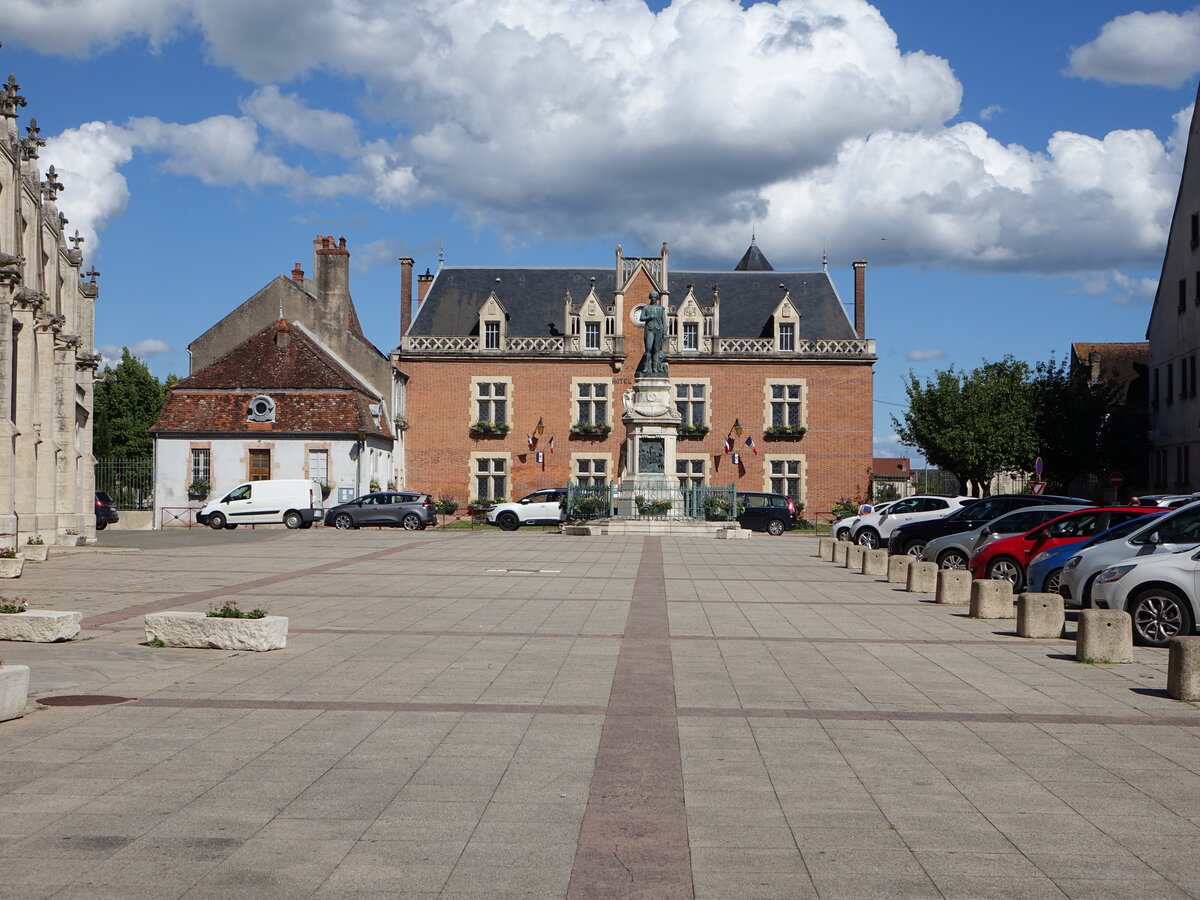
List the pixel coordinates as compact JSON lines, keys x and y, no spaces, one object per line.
{"x":651,"y":422}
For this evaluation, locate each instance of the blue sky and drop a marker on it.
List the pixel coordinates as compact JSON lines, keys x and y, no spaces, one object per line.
{"x":1008,"y":171}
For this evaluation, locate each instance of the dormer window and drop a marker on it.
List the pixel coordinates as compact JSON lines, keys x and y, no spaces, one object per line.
{"x":492,"y":325}
{"x":261,"y":409}
{"x":787,"y":336}
{"x":691,"y":336}
{"x":491,"y":335}
{"x":591,"y":336}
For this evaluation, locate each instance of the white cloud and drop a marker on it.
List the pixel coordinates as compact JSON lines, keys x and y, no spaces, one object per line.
{"x":75,"y":28}
{"x":110,"y":354}
{"x":990,"y":112}
{"x":1157,"y":48}
{"x":1134,"y":291}
{"x":924,"y":355}
{"x":691,"y":124}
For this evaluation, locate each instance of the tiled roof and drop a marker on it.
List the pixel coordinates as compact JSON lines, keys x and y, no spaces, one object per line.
{"x":891,"y":466}
{"x":298,"y":412}
{"x":312,"y":391}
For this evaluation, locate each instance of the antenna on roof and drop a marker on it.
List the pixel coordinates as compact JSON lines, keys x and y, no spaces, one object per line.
{"x":824,"y":255}
{"x":442,"y":255}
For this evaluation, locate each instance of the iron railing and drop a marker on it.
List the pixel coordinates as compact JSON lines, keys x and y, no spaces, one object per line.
{"x":655,"y":500}
{"x":130,"y":482}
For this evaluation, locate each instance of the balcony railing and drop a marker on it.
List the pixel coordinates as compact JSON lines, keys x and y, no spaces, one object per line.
{"x":564,"y":345}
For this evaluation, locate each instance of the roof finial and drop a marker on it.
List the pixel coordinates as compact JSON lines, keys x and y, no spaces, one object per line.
{"x":824,"y":255}
{"x":442,"y":255}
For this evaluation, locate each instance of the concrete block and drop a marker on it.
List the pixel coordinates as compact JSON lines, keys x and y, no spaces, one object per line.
{"x":36,"y":552}
{"x":14,"y":690}
{"x":854,"y":557}
{"x":1040,"y":615}
{"x":825,"y":548}
{"x":733,"y":534}
{"x":193,"y":629}
{"x":1104,"y":635}
{"x":875,"y":562}
{"x":11,"y":568}
{"x":43,"y":626}
{"x":840,"y":549}
{"x":922,"y":577}
{"x":953,"y":587}
{"x":991,"y":599}
{"x":897,"y":568}
{"x":1183,"y":668}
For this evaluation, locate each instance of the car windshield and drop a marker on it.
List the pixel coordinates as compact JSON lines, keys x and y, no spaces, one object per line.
{"x":1122,"y":530}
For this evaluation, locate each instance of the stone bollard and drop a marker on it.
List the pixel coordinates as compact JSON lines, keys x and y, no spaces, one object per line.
{"x":954,"y":587}
{"x":1040,"y":615}
{"x":839,"y":552}
{"x":922,"y":577}
{"x":1183,"y":668}
{"x":825,"y":547}
{"x":1104,"y":636}
{"x":991,"y":598}
{"x":854,"y":557}
{"x":875,"y":562}
{"x":897,"y":571}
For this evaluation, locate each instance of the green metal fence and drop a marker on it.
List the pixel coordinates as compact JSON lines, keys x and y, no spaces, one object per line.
{"x":130,"y":482}
{"x":655,"y":500}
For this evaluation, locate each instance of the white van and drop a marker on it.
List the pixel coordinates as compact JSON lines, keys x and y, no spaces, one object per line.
{"x":295,"y":502}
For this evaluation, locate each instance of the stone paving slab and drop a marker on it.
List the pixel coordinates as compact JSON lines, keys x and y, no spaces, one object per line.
{"x":488,"y":714}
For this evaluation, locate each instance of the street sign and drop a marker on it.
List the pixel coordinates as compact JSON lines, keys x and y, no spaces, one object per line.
{"x":1037,"y":487}
{"x":1115,"y":479}
{"x":1037,"y":467}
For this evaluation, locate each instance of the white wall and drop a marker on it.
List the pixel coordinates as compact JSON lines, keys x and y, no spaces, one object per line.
{"x":230,"y":461}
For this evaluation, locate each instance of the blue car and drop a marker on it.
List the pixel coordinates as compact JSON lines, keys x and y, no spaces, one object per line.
{"x":1046,"y":567}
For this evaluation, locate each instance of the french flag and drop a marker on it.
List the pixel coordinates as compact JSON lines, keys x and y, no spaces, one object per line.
{"x":729,"y":445}
{"x":531,"y":440}
{"x":750,"y":444}
{"x":551,"y":444}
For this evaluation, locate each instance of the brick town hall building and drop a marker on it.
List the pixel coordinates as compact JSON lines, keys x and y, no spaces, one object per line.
{"x":504,"y":364}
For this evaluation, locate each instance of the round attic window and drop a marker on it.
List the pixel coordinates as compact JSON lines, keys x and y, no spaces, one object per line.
{"x":262,"y":409}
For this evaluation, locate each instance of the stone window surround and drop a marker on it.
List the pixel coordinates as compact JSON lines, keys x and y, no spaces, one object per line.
{"x":198,"y":445}
{"x":573,"y":408}
{"x":473,"y":401}
{"x":328,"y":448}
{"x":770,"y":382}
{"x":786,"y":314}
{"x":606,"y":457}
{"x":473,"y":471}
{"x":708,"y":398}
{"x":705,"y":458}
{"x":786,"y":457}
{"x":269,"y":446}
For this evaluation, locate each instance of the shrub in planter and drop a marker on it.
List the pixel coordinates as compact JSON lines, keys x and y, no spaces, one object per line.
{"x":36,"y":549}
{"x":717,"y":509}
{"x":198,"y":489}
{"x":10,"y":563}
{"x":489,"y":429}
{"x":693,"y":432}
{"x":785,"y":432}
{"x":586,"y":508}
{"x":229,"y":610}
{"x":588,"y":430}
{"x":20,"y":623}
{"x":477,"y":507}
{"x":445,"y":506}
{"x":326,"y":490}
{"x":651,"y":507}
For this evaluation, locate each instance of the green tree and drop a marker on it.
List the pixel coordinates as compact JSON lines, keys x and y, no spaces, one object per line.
{"x":1070,"y":415}
{"x":972,"y":424}
{"x":128,"y":401}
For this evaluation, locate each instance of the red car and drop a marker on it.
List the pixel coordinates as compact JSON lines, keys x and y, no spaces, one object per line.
{"x":1009,"y":558}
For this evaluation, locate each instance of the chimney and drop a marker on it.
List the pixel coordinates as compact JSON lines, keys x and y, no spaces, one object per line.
{"x":406,"y":267}
{"x":283,"y":335}
{"x":423,"y":283}
{"x":860,"y":297}
{"x":1094,"y":364}
{"x":331,"y":271}
{"x":297,"y":273}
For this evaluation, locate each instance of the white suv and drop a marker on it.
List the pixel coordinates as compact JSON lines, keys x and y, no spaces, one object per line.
{"x":1158,"y":592}
{"x":874,"y":530}
{"x":539,"y":508}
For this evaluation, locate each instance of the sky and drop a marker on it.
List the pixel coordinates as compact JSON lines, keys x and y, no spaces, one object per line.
{"x":1008,"y":171}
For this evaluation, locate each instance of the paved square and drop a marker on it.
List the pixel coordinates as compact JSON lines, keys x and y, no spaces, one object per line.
{"x":472,"y":714}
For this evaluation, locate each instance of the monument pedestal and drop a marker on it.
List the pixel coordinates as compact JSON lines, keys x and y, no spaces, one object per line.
{"x":652,"y":430}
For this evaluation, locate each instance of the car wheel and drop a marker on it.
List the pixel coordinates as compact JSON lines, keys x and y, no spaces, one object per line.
{"x":1005,"y":568}
{"x":842,"y":534}
{"x":1052,"y":582}
{"x":915,"y":549}
{"x":508,"y":521}
{"x":869,"y":538}
{"x":100,"y":526}
{"x":293,"y":519}
{"x":775,"y":527}
{"x":343,"y":521}
{"x":1160,"y":614}
{"x":411,"y":522}
{"x":953,"y":559}
{"x":216,"y":521}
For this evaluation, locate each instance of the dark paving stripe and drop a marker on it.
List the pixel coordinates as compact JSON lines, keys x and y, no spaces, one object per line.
{"x":892,"y":715}
{"x":457,"y":634}
{"x":634,"y":840}
{"x":848,"y":604}
{"x":275,"y":578}
{"x":548,"y":709}
{"x":800,"y":639}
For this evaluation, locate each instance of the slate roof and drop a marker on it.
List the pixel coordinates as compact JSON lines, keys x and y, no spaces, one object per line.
{"x":313,"y":393}
{"x":533,"y":298}
{"x":753,"y":261}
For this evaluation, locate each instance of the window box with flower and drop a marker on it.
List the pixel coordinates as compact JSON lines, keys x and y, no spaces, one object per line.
{"x":785,"y":432}
{"x":589,"y":431}
{"x":198,"y":489}
{"x":401,"y":423}
{"x":489,"y":429}
{"x":692,"y":432}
